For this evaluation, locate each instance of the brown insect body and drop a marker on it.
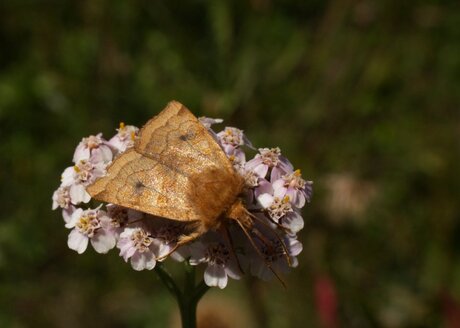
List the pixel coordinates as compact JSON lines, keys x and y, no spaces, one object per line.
{"x":178,"y":171}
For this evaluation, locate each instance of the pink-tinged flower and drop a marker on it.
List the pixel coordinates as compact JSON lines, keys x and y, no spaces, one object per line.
{"x":297,"y":188}
{"x":279,"y":208}
{"x":220,"y":260}
{"x":166,"y":237}
{"x":274,"y":254}
{"x":137,"y":244}
{"x":61,"y":198}
{"x":80,"y":175}
{"x":90,"y":225}
{"x":231,"y":138}
{"x":93,"y":146}
{"x":125,"y":137}
{"x":238,"y":159}
{"x":269,"y":159}
{"x":251,"y":180}
{"x":251,"y":184}
{"x":166,"y":234}
{"x":121,"y":216}
{"x":207,"y":121}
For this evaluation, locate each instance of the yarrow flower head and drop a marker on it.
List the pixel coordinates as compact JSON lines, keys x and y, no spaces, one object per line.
{"x":137,"y":244}
{"x":125,"y":137}
{"x":274,"y":194}
{"x":275,"y":254}
{"x":295,"y":187}
{"x":270,"y":159}
{"x":78,"y":176}
{"x":93,"y":146}
{"x":90,"y":225}
{"x":220,"y":262}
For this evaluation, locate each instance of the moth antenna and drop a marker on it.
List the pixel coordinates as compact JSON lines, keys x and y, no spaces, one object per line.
{"x":255,"y":210}
{"x":229,"y":240}
{"x":260,"y":254}
{"x":135,"y":221}
{"x":283,"y":244}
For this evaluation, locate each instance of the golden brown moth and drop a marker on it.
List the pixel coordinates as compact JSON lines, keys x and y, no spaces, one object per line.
{"x":178,"y":171}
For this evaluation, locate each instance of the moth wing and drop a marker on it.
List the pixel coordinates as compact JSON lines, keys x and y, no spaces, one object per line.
{"x":138,"y":182}
{"x":176,"y":170}
{"x":176,"y":138}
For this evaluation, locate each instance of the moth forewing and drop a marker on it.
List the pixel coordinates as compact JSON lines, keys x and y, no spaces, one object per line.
{"x":176,"y":170}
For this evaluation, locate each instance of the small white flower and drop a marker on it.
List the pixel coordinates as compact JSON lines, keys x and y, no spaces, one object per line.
{"x":61,"y":198}
{"x":207,"y":121}
{"x":166,"y":237}
{"x":125,"y":137}
{"x":238,"y":159}
{"x":90,"y":225}
{"x":274,"y":254}
{"x":269,"y":159}
{"x":280,"y":210}
{"x":121,"y":216}
{"x":93,"y":146}
{"x":221,"y":263}
{"x":231,"y":138}
{"x":137,"y":244}
{"x":297,"y":188}
{"x":77,"y":177}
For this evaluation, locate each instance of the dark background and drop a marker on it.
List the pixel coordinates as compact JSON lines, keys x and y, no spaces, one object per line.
{"x":363,"y":96}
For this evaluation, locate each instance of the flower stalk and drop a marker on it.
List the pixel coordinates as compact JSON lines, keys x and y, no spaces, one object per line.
{"x":188,"y":298}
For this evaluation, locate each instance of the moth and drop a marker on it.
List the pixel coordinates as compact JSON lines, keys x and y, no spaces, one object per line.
{"x":178,"y":171}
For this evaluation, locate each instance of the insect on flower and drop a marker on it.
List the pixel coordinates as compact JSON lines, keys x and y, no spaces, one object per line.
{"x":178,"y":171}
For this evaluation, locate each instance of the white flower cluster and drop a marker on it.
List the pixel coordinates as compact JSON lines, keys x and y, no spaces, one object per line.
{"x":274,"y":194}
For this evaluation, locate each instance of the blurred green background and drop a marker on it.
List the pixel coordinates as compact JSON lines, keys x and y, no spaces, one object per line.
{"x":363,"y":96}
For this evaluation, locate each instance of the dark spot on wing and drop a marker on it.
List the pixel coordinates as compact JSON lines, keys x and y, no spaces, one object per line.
{"x":139,"y":186}
{"x":187,"y":136}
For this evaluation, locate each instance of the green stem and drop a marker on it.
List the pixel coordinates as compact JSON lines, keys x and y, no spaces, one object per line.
{"x":189,"y":298}
{"x":168,"y":281}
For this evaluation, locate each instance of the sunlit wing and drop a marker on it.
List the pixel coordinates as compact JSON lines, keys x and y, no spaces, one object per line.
{"x":176,"y":170}
{"x":140,"y":183}
{"x":177,"y":139}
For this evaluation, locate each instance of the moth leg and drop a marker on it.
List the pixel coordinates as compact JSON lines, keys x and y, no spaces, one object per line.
{"x":185,"y":239}
{"x":226,"y":233}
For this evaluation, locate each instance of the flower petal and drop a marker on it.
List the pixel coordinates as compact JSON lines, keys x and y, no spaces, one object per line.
{"x":67,"y":177}
{"x":295,"y":247}
{"x":81,"y":153}
{"x":265,"y":200}
{"x":67,"y":213}
{"x":261,"y":170}
{"x":103,"y":241}
{"x":74,"y":218}
{"x":78,"y":194}
{"x":279,"y":192}
{"x":77,"y":241}
{"x":293,"y":221}
{"x":215,"y":275}
{"x":264,"y":187}
{"x":138,"y":262}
